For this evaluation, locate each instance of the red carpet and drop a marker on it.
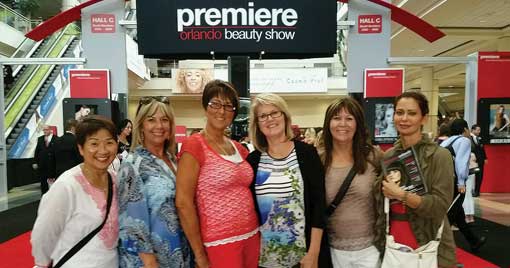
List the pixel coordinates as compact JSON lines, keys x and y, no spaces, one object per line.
{"x":16,"y":253}
{"x":471,"y":261}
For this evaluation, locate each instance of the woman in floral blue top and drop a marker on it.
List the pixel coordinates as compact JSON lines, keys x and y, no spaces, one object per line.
{"x":150,"y":232}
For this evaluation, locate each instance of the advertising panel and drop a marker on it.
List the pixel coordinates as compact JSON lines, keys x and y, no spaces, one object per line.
{"x":291,"y":80}
{"x":198,"y":29}
{"x":379,"y":116}
{"x":493,"y":115}
{"x":89,"y":83}
{"x":387,"y":82}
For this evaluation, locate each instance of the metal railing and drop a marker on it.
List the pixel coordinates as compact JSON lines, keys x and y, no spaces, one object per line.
{"x":17,"y":20}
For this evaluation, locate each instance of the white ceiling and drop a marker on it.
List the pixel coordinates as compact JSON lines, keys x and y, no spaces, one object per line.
{"x":470,"y":26}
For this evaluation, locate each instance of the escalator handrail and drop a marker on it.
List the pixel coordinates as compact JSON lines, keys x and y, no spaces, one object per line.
{"x":34,"y":93}
{"x":28,"y":55}
{"x":25,"y":83}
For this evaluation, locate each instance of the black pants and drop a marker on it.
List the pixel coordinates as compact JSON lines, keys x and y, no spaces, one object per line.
{"x":456,"y":216}
{"x":44,"y":185}
{"x":478,"y":178}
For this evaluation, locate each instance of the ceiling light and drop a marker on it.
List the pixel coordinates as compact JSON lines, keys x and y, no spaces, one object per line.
{"x":483,"y":21}
{"x":451,"y":86}
{"x":421,"y":50}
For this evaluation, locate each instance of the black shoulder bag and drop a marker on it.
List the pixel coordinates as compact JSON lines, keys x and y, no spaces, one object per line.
{"x":87,"y":238}
{"x":341,"y":193}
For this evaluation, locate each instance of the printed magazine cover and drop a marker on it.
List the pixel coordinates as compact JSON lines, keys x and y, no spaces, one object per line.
{"x":403,"y":168}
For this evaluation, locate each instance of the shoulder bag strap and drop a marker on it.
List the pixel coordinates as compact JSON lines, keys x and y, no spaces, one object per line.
{"x":87,"y":238}
{"x":341,"y":193}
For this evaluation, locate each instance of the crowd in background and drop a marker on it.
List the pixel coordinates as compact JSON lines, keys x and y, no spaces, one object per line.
{"x":129,"y":198}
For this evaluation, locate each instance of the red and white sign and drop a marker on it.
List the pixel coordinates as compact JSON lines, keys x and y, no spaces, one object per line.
{"x":102,"y":23}
{"x":369,"y":24}
{"x":180,"y":134}
{"x":387,"y":82}
{"x":89,"y":83}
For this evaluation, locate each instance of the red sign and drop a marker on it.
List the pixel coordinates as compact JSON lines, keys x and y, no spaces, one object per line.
{"x":369,"y":24}
{"x":493,"y":72}
{"x":88,"y":83}
{"x":387,"y":82}
{"x":180,"y":134}
{"x":102,"y":23}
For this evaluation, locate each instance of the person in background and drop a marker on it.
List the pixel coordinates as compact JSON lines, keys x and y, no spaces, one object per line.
{"x":65,"y":150}
{"x":461,"y":146}
{"x":415,"y":219}
{"x":310,"y":136}
{"x":43,"y":158}
{"x":124,"y":129}
{"x":345,"y":145}
{"x":76,"y":204}
{"x":481,"y":157}
{"x":150,"y":232}
{"x":443,"y":133}
{"x":213,"y":198}
{"x":289,"y":189}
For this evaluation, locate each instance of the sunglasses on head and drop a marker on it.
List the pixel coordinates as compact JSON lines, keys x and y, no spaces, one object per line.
{"x":149,"y":99}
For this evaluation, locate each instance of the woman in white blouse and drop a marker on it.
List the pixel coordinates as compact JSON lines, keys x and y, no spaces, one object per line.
{"x":76,"y":204}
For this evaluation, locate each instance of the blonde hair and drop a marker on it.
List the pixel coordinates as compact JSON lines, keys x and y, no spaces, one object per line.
{"x":150,"y":109}
{"x":181,"y":81}
{"x":258,"y":139}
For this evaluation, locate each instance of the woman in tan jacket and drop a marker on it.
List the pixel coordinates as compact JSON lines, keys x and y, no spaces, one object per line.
{"x":415,"y":219}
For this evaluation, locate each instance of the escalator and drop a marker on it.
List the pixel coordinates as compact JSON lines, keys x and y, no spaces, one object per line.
{"x":33,"y":86}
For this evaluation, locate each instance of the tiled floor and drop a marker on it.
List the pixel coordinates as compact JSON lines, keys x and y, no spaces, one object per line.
{"x":20,"y":195}
{"x":494,"y":207}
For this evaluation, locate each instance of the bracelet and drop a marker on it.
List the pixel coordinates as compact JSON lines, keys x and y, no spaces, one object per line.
{"x":404,"y":199}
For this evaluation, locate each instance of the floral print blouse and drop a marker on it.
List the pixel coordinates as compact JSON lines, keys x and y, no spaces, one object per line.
{"x":279,"y":191}
{"x":147,"y":215}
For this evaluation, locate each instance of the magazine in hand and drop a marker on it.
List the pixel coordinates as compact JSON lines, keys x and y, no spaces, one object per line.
{"x":403,"y":168}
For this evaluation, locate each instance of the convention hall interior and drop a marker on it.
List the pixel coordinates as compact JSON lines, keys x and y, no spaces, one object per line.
{"x":461,"y":66}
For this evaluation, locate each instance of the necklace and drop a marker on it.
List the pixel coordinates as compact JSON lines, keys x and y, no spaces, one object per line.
{"x":220,"y":148}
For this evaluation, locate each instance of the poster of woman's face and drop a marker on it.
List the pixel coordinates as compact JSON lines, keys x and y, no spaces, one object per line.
{"x":384,"y":127}
{"x":192,"y":81}
{"x":499,"y":121}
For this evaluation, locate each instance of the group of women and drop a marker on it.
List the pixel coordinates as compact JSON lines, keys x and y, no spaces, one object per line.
{"x":216,"y":205}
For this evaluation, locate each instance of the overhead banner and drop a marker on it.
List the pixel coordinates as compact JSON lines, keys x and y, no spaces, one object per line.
{"x":221,"y":28}
{"x":383,"y":82}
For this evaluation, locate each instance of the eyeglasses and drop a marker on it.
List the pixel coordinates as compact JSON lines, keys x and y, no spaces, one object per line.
{"x":216,"y":106}
{"x":149,"y":99}
{"x":273,"y":115}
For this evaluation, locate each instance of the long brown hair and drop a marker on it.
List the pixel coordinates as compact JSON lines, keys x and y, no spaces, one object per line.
{"x":361,"y":145}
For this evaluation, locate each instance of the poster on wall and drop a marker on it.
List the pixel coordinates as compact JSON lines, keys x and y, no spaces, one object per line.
{"x":192,"y":81}
{"x":494,"y":118}
{"x":221,"y":28}
{"x":379,"y":116}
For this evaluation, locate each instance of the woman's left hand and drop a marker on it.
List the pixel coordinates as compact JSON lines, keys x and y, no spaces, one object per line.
{"x":391,"y":189}
{"x":310,"y":260}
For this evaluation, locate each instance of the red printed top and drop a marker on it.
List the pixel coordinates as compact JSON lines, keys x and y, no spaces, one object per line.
{"x":224,"y":200}
{"x":401,"y":230}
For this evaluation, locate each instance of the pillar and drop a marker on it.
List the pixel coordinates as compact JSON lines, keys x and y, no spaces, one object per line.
{"x":430,"y":88}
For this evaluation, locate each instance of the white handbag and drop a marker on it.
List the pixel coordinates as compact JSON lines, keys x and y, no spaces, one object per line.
{"x":399,"y":256}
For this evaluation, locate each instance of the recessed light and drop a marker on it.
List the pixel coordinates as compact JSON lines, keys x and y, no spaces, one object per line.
{"x":483,"y":21}
{"x":421,"y":50}
{"x":451,"y":86}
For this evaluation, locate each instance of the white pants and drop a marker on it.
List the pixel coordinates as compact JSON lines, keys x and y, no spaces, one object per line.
{"x":365,"y":258}
{"x":469,"y":202}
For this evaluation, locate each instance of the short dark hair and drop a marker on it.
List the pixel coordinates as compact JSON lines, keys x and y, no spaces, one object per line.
{"x":92,"y":124}
{"x":457,"y":126}
{"x":220,"y":88}
{"x":70,"y":124}
{"x":475,"y":126}
{"x":422,"y":101}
